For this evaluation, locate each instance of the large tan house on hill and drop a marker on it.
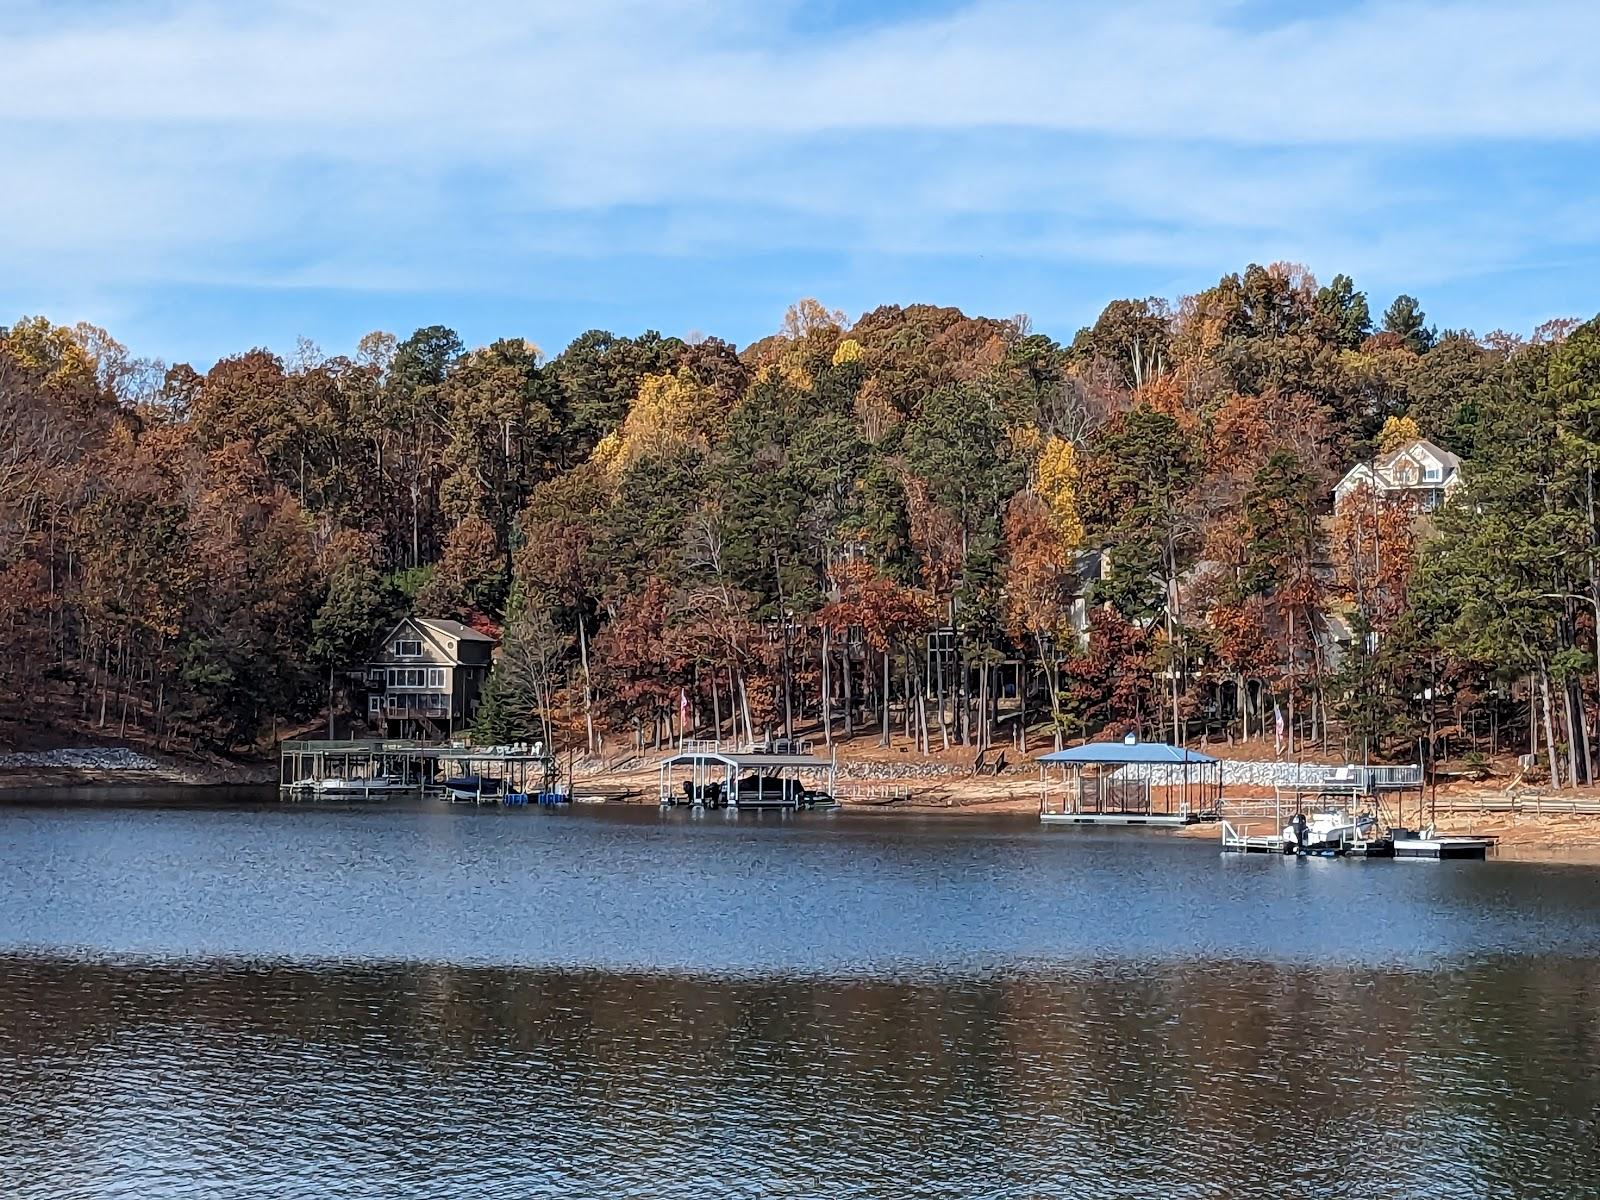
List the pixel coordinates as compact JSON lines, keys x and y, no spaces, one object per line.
{"x":425,"y":677}
{"x":1418,"y":467}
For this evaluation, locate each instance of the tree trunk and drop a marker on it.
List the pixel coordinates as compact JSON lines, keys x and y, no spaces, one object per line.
{"x":1577,"y":734}
{"x":105,"y":670}
{"x":827,"y":687}
{"x":1174,"y":663}
{"x":744,"y":707}
{"x":905,"y":706}
{"x":588,"y":687}
{"x":1549,"y":729}
{"x":716,"y":708}
{"x":1533,"y":717}
{"x":1594,"y":580}
{"x":964,"y":698}
{"x":849,"y":698}
{"x":883,"y":739}
{"x":1054,"y":690}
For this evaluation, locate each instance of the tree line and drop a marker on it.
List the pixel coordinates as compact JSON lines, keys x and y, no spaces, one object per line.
{"x":950,"y":528}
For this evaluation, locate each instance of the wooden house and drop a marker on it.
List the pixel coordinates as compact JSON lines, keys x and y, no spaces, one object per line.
{"x":424,"y":678}
{"x":1418,"y":468}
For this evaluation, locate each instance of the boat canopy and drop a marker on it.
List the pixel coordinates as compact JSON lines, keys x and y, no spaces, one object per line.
{"x":747,"y":762}
{"x":1126,"y":753}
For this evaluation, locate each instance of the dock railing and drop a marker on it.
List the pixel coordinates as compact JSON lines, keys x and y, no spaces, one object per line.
{"x":1235,"y":838}
{"x":1385,"y":779}
{"x":1358,"y":780}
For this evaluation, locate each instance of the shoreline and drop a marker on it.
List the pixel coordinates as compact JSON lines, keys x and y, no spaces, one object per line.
{"x":942,"y":784}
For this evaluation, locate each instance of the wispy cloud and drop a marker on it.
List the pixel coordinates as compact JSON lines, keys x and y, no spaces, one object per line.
{"x":414,"y":145}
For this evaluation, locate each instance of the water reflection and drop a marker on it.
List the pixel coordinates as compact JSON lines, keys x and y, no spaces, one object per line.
{"x":1108,"y":1078}
{"x":267,"y":1002}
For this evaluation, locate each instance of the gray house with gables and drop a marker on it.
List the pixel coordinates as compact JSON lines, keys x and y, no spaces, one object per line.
{"x":424,"y":678}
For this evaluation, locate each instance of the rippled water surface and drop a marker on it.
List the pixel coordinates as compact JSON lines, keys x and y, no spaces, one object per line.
{"x":267,"y":1002}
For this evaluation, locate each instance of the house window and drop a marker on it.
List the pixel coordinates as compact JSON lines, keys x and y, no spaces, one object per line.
{"x":404,"y":648}
{"x":436,"y":677}
{"x":375,"y":675}
{"x":1431,"y":474}
{"x":409,"y":677}
{"x":374,"y":704}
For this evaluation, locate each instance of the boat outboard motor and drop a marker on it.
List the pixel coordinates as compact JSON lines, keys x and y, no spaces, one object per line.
{"x":1298,"y":824}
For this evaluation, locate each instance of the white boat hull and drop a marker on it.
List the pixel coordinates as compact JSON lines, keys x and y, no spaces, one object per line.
{"x":354,"y":787}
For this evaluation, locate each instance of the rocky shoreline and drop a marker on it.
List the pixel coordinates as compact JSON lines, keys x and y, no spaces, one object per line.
{"x":122,"y":766}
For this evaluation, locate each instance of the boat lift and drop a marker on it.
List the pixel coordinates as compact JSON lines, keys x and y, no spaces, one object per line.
{"x":378,"y":768}
{"x":703,"y":775}
{"x":1342,"y":811}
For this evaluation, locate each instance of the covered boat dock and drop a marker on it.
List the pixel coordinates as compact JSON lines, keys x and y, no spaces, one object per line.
{"x":703,"y":775}
{"x":1128,"y":783}
{"x":382,"y":767}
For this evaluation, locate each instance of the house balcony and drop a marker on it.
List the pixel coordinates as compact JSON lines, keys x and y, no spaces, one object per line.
{"x":399,"y":706}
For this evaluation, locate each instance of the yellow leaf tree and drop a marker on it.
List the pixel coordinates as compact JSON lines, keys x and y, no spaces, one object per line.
{"x":1057,"y":486}
{"x":1396,"y":432}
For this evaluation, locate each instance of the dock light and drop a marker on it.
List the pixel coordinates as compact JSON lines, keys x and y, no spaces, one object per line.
{"x":1130,"y":739}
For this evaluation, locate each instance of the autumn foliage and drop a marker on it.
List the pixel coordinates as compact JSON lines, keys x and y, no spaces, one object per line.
{"x":916,"y":520}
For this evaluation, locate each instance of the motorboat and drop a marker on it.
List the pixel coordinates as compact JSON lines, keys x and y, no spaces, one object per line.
{"x":472,"y":788}
{"x":354,"y":786}
{"x":1326,"y":832}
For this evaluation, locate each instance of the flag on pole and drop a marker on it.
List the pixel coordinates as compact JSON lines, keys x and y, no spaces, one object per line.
{"x":1277,"y":727}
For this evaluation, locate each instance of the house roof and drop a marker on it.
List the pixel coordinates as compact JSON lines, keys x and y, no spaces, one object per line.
{"x":455,"y":629}
{"x":1127,"y":753}
{"x":1384,"y":467}
{"x":1446,"y":459}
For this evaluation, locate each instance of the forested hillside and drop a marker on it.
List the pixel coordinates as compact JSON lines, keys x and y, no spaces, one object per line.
{"x":769,"y":535}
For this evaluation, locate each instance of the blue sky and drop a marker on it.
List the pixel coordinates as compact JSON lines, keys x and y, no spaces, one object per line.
{"x":202,"y":176}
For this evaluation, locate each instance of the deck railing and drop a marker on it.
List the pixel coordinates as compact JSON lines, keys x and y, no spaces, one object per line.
{"x":1384,"y":778}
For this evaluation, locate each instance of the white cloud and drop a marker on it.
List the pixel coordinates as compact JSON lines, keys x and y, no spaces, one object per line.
{"x":615,"y":67}
{"x":414,"y":143}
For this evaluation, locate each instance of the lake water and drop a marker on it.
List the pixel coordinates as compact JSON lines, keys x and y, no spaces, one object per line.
{"x":264,"y":1002}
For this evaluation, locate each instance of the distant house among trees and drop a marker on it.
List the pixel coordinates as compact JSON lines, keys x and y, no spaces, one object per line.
{"x":1417,"y":468}
{"x":425,"y":677}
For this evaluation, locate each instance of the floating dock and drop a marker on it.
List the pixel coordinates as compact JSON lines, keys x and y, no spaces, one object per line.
{"x":1237,"y":841}
{"x":1442,"y":847}
{"x":1160,"y":820}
